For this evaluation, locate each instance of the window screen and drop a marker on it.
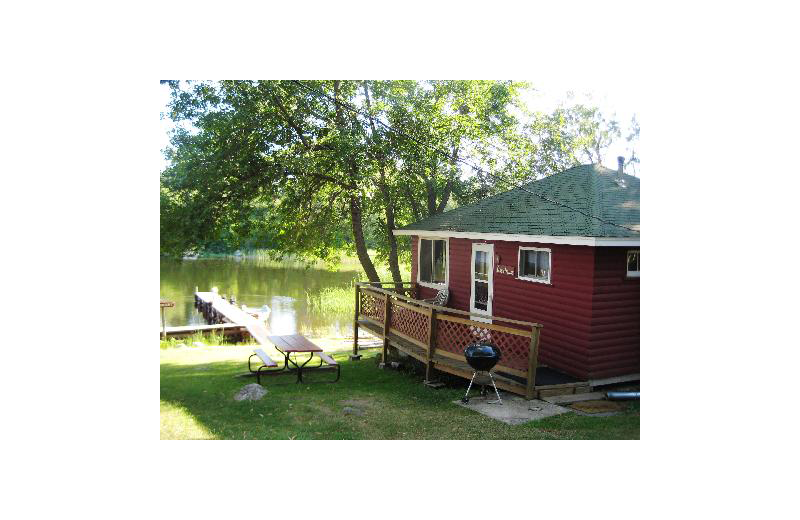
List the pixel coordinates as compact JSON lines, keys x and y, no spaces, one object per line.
{"x":433,"y":261}
{"x":534,"y":264}
{"x":633,"y":263}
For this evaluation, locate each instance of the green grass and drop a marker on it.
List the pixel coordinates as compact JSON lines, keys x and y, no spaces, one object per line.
{"x":198,"y":385}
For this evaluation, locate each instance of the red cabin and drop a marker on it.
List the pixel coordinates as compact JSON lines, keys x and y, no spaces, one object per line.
{"x":562,"y":252}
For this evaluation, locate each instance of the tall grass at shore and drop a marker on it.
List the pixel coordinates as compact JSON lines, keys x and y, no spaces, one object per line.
{"x":332,"y":300}
{"x":344,"y":262}
{"x":214,"y":338}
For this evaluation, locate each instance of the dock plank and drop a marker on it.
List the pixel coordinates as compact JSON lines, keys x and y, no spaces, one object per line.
{"x":236,"y":316}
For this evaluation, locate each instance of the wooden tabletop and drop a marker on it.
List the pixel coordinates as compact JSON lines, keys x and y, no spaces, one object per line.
{"x":293,"y":343}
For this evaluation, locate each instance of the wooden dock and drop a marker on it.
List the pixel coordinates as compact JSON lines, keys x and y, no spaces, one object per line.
{"x":218,"y":310}
{"x":226,"y":329}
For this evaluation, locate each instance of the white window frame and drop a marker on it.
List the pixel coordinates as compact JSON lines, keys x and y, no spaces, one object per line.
{"x":528,"y":278}
{"x":632,"y":274}
{"x":446,"y":263}
{"x":477,"y":314}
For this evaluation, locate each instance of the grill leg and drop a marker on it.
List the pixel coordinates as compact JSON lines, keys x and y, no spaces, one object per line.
{"x":465,"y":399}
{"x":495,"y":391}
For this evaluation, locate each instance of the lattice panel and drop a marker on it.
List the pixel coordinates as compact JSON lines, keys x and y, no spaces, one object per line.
{"x":412,"y":324}
{"x":455,"y":337}
{"x":372,"y":306}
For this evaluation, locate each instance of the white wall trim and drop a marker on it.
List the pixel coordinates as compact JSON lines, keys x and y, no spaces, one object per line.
{"x":436,"y":286}
{"x":544,"y":239}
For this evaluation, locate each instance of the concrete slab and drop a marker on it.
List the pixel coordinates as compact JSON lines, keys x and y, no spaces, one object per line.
{"x":514,"y":410}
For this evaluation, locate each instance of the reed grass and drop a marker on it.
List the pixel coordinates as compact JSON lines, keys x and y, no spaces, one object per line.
{"x":332,"y":300}
{"x":343,"y":262}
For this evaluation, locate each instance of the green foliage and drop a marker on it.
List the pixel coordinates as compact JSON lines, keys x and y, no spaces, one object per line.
{"x":280,"y":164}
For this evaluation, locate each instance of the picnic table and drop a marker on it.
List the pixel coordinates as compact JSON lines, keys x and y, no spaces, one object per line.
{"x":299,"y":344}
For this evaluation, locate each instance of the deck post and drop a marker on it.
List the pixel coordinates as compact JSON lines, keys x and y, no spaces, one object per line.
{"x":533,"y":356}
{"x":355,"y":355}
{"x":387,"y":320}
{"x":431,"y":345}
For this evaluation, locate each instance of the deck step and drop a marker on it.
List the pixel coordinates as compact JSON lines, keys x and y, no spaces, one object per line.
{"x":574,"y":398}
{"x":434,"y":384}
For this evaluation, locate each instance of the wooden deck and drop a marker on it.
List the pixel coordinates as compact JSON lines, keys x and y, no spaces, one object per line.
{"x":436,"y":336}
{"x":457,"y":366}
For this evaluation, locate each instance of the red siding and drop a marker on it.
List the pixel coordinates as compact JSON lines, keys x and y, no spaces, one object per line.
{"x":590,"y":312}
{"x":615,"y":316}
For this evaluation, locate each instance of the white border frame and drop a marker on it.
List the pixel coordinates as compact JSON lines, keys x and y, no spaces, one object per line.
{"x":632,"y":274}
{"x":544,"y":239}
{"x":477,"y":314}
{"x":430,"y":285}
{"x":537,"y":280}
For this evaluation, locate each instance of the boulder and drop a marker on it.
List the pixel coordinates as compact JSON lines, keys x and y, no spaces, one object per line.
{"x":251,"y":392}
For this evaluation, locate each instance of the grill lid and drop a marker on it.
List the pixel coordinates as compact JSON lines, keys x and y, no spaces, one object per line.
{"x":482,"y":356}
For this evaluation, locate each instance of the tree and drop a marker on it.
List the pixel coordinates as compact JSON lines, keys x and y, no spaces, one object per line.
{"x":314,"y":167}
{"x":299,"y":161}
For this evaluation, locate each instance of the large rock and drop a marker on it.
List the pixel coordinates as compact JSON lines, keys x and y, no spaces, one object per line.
{"x":251,"y":392}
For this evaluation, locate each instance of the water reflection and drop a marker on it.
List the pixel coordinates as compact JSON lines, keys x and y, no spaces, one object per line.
{"x":283,"y":318}
{"x":255,"y":282}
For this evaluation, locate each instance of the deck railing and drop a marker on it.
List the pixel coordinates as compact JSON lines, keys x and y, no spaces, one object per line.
{"x":446,"y":332}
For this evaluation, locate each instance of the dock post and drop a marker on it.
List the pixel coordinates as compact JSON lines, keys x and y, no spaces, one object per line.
{"x":355,"y":356}
{"x":163,"y":324}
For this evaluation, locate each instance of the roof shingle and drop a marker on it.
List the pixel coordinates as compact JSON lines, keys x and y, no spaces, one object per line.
{"x":582,"y":201}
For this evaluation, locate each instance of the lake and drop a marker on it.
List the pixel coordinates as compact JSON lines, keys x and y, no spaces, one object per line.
{"x":287,"y":287}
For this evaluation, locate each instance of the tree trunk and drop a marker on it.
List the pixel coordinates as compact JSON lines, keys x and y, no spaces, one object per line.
{"x":358,"y":238}
{"x":394,"y":263}
{"x":448,"y":188}
{"x":430,"y":187}
{"x":355,"y":203}
{"x":388,"y":203}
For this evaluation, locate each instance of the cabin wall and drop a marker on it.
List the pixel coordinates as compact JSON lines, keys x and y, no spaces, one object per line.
{"x":614,"y":340}
{"x":590,"y":310}
{"x":563,"y":307}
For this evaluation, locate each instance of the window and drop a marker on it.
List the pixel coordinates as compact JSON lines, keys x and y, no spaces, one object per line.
{"x":633,"y":263}
{"x":534,"y":264}
{"x":481,"y":276}
{"x":433,"y":261}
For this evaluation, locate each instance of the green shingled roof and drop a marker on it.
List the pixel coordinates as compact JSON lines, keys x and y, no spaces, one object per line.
{"x":576,"y":196}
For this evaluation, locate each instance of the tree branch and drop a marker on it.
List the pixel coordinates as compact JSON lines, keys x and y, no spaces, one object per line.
{"x":285,"y":114}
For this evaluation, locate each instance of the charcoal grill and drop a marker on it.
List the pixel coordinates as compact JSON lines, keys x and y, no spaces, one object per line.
{"x":482,"y":357}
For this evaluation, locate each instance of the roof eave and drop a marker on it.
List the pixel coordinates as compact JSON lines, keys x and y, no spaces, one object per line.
{"x":507,"y":237}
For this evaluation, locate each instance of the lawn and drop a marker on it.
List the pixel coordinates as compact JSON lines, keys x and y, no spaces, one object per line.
{"x":198,"y":385}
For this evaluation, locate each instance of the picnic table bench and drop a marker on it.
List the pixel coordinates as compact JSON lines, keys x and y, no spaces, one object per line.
{"x":293,"y":344}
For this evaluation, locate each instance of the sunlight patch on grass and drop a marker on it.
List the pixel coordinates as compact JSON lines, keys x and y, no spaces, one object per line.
{"x":177,"y":423}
